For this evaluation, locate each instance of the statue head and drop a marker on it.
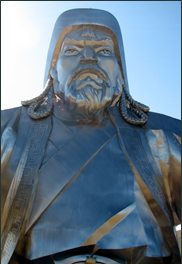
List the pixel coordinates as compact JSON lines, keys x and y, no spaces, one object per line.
{"x":87,"y":76}
{"x":86,"y":66}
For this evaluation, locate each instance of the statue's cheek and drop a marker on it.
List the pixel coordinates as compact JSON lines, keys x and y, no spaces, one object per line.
{"x":110,"y":66}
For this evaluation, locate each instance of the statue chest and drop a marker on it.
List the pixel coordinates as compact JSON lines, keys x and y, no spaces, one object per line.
{"x":94,"y":203}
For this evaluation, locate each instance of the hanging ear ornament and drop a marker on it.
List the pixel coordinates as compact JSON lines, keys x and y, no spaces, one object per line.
{"x":139,"y":117}
{"x":41,"y":105}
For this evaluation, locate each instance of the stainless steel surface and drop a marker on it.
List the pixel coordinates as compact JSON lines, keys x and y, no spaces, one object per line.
{"x":86,"y":259}
{"x":97,"y":189}
{"x":88,"y":74}
{"x":20,"y":197}
{"x":100,"y":19}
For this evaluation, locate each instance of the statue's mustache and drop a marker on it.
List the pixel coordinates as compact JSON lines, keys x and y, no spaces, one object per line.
{"x":87,"y":68}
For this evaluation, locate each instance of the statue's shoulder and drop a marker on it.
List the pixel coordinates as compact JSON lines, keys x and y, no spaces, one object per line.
{"x":164,"y":122}
{"x":7,"y":114}
{"x":155,"y":121}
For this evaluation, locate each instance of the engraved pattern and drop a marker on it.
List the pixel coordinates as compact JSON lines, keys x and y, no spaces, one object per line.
{"x":140,"y":160}
{"x":21,"y":202}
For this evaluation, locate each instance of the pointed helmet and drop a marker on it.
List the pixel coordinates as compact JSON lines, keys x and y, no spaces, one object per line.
{"x":77,"y":18}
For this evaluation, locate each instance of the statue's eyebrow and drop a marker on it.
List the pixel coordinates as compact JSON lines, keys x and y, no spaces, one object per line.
{"x":81,"y":43}
{"x":102,"y":42}
{"x":72,"y":41}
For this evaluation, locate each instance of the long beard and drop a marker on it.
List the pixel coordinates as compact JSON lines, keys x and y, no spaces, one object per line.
{"x":89,"y":103}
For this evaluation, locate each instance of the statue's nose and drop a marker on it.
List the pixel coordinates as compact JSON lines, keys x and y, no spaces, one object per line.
{"x":88,"y":56}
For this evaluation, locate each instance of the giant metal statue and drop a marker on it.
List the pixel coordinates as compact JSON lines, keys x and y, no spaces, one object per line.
{"x":89,"y":175}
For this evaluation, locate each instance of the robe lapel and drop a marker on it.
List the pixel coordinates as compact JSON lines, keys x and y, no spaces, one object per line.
{"x":136,"y":149}
{"x":74,"y":153}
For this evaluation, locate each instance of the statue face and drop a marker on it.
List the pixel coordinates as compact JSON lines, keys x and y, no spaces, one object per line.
{"x":88,"y":73}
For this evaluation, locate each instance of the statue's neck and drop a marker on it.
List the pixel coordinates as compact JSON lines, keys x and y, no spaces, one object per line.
{"x":62,"y":112}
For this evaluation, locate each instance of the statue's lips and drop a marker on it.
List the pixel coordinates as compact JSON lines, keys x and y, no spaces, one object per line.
{"x":89,"y":79}
{"x":90,"y":71}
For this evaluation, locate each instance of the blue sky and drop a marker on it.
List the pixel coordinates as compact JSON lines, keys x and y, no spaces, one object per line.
{"x":151,"y":33}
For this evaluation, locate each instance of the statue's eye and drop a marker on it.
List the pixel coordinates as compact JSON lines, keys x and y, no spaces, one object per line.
{"x":104,"y":51}
{"x":71,"y":52}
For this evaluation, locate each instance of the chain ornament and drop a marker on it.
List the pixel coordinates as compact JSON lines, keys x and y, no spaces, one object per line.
{"x":139,"y":109}
{"x":43,"y":102}
{"x":41,"y":106}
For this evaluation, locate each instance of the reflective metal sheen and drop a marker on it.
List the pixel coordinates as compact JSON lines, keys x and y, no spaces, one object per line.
{"x":88,"y":175}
